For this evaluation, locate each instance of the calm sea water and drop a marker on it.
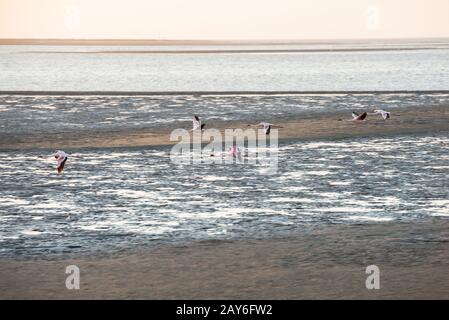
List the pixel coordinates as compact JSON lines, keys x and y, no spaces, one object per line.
{"x":81,"y":69}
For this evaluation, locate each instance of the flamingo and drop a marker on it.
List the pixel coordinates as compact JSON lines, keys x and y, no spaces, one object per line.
{"x":197,"y":125}
{"x":385,"y":114}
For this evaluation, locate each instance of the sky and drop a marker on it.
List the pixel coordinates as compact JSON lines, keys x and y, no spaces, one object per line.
{"x":224,"y":19}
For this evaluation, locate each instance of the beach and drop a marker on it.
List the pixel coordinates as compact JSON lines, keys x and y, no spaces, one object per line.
{"x":319,"y":263}
{"x":341,"y":196}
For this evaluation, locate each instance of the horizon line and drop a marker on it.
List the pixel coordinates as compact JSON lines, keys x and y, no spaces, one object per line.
{"x":201,"y":93}
{"x":193,"y":41}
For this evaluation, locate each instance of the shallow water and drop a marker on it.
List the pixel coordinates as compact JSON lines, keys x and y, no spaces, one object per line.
{"x":112,"y":200}
{"x":123,"y":199}
{"x":53,"y":114}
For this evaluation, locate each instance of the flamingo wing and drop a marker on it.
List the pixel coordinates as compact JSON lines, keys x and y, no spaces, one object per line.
{"x":363,"y":116}
{"x":196,"y":122}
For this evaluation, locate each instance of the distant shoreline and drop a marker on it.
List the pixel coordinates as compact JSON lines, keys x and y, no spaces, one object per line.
{"x":137,"y":42}
{"x":323,"y":50}
{"x":201,"y":93}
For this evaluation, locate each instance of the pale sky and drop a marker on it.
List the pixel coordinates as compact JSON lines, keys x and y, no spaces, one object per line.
{"x":224,"y":19}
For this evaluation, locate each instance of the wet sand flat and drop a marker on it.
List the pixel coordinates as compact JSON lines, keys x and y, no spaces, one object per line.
{"x":321,"y":126}
{"x":326,"y":262}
